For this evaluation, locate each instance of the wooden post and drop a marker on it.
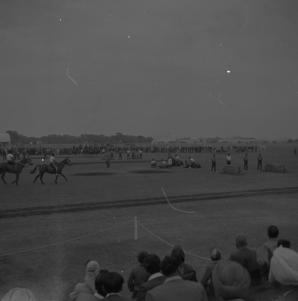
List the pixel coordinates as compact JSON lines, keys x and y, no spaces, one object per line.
{"x":135,"y":228}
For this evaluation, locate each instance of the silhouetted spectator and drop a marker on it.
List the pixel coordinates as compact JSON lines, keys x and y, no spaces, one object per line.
{"x":265,"y":252}
{"x":206,"y":280}
{"x":247,"y":258}
{"x":186,"y":271}
{"x":138,"y":275}
{"x":112,"y":284}
{"x":152,"y":266}
{"x":231,"y":281}
{"x":175,"y":288}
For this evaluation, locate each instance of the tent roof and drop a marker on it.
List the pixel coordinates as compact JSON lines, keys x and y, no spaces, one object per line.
{"x":4,"y":138}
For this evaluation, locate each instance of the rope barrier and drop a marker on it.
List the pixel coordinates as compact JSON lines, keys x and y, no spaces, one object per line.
{"x":61,"y":242}
{"x":170,"y":244}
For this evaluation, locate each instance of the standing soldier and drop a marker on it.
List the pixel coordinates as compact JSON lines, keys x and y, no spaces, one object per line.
{"x":245,"y":161}
{"x":260,"y":162}
{"x":213,"y":163}
{"x":228,"y":159}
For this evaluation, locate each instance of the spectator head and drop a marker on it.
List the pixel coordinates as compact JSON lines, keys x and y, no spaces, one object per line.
{"x":169,"y":266}
{"x":231,"y":280}
{"x":112,"y":282}
{"x":99,"y":282}
{"x":152,"y":264}
{"x":178,"y":254}
{"x":19,"y":294}
{"x":241,"y":241}
{"x":215,"y":254}
{"x":272,"y":231}
{"x":141,"y":256}
{"x":92,"y":266}
{"x":284,"y":243}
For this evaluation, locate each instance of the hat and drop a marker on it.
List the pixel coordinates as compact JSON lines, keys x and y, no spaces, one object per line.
{"x":230,"y":280}
{"x":92,"y":266}
{"x":215,"y":254}
{"x":19,"y":294}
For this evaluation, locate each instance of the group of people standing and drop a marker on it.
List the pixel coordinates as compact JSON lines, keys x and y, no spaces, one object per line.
{"x":228,"y":159}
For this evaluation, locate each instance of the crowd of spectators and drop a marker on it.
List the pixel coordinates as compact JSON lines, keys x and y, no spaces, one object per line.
{"x":172,"y":278}
{"x":120,"y":152}
{"x":238,"y":277}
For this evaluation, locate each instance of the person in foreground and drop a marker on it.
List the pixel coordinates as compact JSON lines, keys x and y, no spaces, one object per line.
{"x":174,"y":287}
{"x":112,"y":283}
{"x":19,"y":294}
{"x":284,"y":264}
{"x":231,"y":281}
{"x":86,"y":290}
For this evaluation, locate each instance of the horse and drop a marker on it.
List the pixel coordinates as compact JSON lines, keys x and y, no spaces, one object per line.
{"x":45,"y":168}
{"x":15,"y":168}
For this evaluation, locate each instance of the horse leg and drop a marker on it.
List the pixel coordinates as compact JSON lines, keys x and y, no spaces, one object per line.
{"x":35,"y":179}
{"x":63,"y":176}
{"x":17,"y":179}
{"x":41,"y":178}
{"x":56,"y":179}
{"x":3,"y":178}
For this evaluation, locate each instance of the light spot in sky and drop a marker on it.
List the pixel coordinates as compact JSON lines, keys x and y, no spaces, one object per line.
{"x":60,"y":20}
{"x":228,"y":71}
{"x":128,"y":37}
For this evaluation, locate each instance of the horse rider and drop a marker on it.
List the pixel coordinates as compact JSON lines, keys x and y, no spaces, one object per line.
{"x":10,"y":158}
{"x":53,"y":162}
{"x":43,"y":160}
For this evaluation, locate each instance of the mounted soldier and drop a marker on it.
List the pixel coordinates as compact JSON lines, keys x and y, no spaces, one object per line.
{"x":53,"y":163}
{"x":10,"y":158}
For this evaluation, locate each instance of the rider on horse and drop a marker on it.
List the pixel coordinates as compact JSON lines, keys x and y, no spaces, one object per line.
{"x":10,"y":158}
{"x":53,"y":162}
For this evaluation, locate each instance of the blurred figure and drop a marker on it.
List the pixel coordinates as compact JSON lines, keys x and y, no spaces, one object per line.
{"x":213,"y":163}
{"x":86,"y":290}
{"x":206,"y":280}
{"x":265,"y":252}
{"x":152,"y":266}
{"x":247,"y":258}
{"x":284,"y":264}
{"x":10,"y":158}
{"x":112,"y":284}
{"x":231,"y":281}
{"x":260,"y":162}
{"x":53,"y":162}
{"x":19,"y":294}
{"x":175,"y":288}
{"x":138,"y":275}
{"x":228,"y":159}
{"x":186,"y":271}
{"x":245,"y":161}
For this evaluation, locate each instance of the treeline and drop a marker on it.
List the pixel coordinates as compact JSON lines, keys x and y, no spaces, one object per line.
{"x":117,"y":138}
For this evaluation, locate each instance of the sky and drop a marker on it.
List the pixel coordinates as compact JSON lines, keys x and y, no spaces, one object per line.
{"x":160,"y":68}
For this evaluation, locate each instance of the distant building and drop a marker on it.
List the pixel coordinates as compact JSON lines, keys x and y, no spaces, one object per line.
{"x":4,"y":140}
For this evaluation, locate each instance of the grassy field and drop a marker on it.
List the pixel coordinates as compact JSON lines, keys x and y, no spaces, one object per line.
{"x":46,"y":253}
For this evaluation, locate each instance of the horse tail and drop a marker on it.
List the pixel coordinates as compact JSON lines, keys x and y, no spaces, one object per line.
{"x":34,"y":169}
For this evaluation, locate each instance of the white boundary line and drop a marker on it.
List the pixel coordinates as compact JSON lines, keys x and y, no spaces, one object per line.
{"x":172,"y":207}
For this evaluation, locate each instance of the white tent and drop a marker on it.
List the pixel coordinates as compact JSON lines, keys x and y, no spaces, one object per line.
{"x":4,"y":139}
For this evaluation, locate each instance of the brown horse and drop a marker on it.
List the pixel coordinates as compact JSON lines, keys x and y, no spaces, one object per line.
{"x":45,"y":168}
{"x":15,"y":168}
